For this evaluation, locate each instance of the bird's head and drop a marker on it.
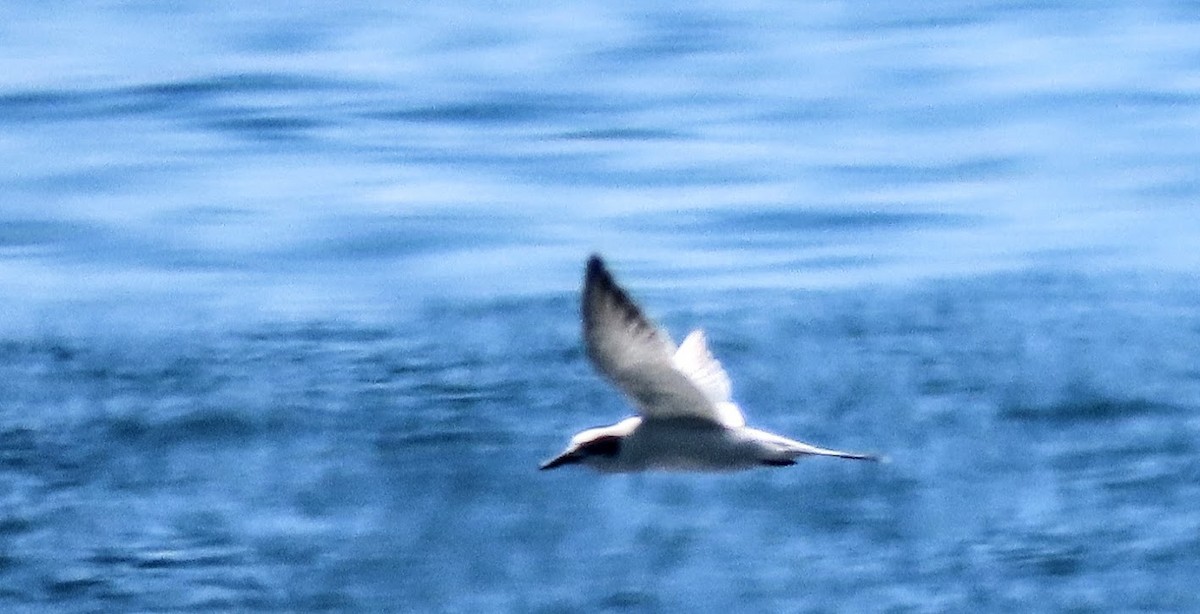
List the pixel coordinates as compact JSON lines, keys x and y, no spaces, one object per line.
{"x":597,"y":448}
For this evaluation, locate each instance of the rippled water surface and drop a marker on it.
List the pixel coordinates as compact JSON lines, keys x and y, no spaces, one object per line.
{"x":288,"y":303}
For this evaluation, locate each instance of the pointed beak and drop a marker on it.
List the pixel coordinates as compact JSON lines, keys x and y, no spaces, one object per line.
{"x":566,"y":458}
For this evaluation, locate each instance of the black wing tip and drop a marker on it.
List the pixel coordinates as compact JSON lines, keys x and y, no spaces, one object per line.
{"x":595,"y":266}
{"x":598,"y":282}
{"x":597,"y":275}
{"x":602,"y":293}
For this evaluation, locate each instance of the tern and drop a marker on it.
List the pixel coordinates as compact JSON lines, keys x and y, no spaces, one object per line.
{"x":687,"y":420}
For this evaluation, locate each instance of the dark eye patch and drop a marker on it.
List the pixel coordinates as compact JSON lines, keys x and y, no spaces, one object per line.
{"x":608,"y":445}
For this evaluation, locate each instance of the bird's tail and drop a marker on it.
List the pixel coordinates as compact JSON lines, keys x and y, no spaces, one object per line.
{"x":804,"y":449}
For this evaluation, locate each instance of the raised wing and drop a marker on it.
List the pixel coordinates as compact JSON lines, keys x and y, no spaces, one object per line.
{"x":639,"y":358}
{"x":695,"y":361}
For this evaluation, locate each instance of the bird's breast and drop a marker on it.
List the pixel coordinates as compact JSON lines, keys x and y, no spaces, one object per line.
{"x":686,"y":445}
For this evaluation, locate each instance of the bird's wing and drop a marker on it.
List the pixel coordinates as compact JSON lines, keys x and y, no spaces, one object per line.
{"x":695,"y":361}
{"x":637,"y":356}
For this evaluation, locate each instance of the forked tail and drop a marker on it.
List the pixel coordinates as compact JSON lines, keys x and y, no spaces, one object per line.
{"x":807,"y":450}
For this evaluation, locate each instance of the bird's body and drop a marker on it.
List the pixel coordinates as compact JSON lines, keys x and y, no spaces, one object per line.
{"x":687,"y":419}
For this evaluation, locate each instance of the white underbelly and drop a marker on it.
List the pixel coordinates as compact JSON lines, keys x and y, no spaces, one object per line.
{"x":686,"y":445}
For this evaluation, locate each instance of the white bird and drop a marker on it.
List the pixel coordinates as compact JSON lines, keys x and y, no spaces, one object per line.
{"x":687,"y":420}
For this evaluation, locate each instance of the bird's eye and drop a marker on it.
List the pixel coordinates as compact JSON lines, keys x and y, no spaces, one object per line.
{"x":609,"y":445}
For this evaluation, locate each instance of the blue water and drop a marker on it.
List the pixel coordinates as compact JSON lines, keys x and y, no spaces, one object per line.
{"x":288,"y":303}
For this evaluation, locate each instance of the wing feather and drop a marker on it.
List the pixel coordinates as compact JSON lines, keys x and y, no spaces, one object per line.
{"x":695,"y":361}
{"x":641,"y":359}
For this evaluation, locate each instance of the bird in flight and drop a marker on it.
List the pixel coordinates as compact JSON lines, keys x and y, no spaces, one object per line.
{"x":687,"y":420}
